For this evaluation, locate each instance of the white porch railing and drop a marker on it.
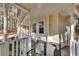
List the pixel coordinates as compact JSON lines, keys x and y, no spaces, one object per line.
{"x":74,"y":48}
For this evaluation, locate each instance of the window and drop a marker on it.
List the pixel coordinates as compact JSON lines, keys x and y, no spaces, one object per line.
{"x":41,"y":27}
{"x":34,"y":28}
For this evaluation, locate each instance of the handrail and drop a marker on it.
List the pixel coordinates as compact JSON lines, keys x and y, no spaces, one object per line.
{"x":31,"y":49}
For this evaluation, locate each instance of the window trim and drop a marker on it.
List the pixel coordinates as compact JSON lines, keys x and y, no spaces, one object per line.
{"x":42,"y":26}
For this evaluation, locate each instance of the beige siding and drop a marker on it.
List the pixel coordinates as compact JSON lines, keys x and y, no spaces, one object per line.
{"x":53,"y":24}
{"x":63,"y":22}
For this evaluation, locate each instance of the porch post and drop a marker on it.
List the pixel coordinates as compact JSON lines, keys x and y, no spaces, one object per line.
{"x":47,"y":32}
{"x":5,"y":29}
{"x":46,"y":21}
{"x":72,"y":41}
{"x":29,"y":40}
{"x":5,"y":22}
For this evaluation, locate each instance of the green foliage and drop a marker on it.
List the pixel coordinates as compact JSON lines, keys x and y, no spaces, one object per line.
{"x":77,"y":30}
{"x":15,"y":45}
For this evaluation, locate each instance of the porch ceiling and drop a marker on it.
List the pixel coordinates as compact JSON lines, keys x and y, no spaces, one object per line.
{"x":43,"y":9}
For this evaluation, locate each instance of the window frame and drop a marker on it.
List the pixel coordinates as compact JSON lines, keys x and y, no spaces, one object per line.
{"x":41,"y":27}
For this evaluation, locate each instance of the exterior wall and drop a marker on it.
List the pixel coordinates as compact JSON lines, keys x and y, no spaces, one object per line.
{"x":55,"y":25}
{"x":63,"y":22}
{"x":63,"y":27}
{"x":53,"y":28}
{"x":58,"y":31}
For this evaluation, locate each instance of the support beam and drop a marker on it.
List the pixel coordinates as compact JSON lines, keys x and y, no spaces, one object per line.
{"x":21,"y":8}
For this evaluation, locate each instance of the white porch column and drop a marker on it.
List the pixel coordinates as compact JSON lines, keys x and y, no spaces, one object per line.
{"x":72,"y":41}
{"x":47,"y":33}
{"x":5,"y":28}
{"x":29,"y":40}
{"x":47,"y":24}
{"x":5,"y":22}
